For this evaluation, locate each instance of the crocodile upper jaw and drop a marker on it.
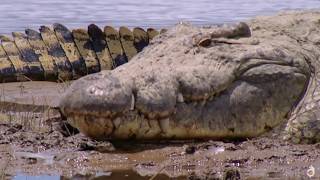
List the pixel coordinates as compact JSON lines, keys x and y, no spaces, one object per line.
{"x":178,"y":89}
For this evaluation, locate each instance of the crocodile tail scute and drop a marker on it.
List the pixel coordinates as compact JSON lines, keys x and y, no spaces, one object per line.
{"x":58,"y":54}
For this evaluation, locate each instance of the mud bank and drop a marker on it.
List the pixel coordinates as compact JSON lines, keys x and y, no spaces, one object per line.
{"x":31,"y":153}
{"x":35,"y":141}
{"x":41,"y":146}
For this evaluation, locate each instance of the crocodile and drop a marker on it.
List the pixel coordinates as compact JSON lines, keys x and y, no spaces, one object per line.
{"x":212,"y":82}
{"x":60,"y":54}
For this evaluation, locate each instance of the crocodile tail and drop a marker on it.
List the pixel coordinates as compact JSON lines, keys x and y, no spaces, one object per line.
{"x":18,"y":61}
{"x":59,"y":54}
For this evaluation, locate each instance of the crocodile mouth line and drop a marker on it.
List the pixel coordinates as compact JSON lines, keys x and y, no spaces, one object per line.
{"x":127,"y":124}
{"x":181,"y":97}
{"x":142,"y":128}
{"x":173,"y":90}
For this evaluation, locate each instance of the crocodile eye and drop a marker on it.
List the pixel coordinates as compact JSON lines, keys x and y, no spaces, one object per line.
{"x":204,"y":42}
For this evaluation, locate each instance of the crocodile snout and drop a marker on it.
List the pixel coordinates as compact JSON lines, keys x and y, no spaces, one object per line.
{"x":174,"y":90}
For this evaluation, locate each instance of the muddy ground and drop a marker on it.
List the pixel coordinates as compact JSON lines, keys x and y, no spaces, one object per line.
{"x":34,"y":141}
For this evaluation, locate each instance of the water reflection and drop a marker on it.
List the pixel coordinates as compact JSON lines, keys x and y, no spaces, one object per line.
{"x":17,"y":14}
{"x":25,"y":177}
{"x":115,"y":175}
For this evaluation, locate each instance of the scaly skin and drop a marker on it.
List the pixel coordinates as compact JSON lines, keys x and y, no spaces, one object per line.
{"x":212,"y":82}
{"x":59,"y":54}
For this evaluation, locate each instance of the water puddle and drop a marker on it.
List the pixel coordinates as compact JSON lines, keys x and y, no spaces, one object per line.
{"x":116,"y":175}
{"x":25,"y":177}
{"x":46,"y":159}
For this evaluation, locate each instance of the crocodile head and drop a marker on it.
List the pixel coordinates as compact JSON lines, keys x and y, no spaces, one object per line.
{"x":213,"y":82}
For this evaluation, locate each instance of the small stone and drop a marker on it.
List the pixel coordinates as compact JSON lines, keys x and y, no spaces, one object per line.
{"x":105,"y":147}
{"x":190,"y":150}
{"x":254,"y":42}
{"x":32,"y":160}
{"x":231,"y":174}
{"x":86,"y":147}
{"x":99,"y":146}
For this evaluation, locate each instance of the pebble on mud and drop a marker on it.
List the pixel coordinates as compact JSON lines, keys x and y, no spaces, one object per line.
{"x":190,"y":150}
{"x":31,"y":160}
{"x":101,"y":147}
{"x":231,"y":174}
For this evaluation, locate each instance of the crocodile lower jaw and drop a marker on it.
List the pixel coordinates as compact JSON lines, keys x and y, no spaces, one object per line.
{"x":243,"y":110}
{"x":175,"y":89}
{"x":140,"y":128}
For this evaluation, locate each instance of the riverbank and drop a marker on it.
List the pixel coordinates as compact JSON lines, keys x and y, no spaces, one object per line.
{"x":49,"y":153}
{"x":36,"y":143}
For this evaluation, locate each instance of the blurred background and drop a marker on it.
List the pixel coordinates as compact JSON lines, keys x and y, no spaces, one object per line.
{"x":16,"y":15}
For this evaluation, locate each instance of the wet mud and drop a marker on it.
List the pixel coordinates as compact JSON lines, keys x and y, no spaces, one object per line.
{"x":36,"y":142}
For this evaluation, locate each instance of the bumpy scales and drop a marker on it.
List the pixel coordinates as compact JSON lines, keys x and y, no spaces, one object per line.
{"x":215,"y":82}
{"x":230,"y":81}
{"x":61,"y":54}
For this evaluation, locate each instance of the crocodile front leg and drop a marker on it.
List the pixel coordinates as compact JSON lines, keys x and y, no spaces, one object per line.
{"x":304,"y":124}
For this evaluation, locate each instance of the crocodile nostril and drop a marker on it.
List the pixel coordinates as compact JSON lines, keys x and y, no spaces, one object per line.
{"x":93,"y":90}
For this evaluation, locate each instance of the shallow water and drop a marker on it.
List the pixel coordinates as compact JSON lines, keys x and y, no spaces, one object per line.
{"x":16,"y":15}
{"x":26,"y":177}
{"x":116,"y":175}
